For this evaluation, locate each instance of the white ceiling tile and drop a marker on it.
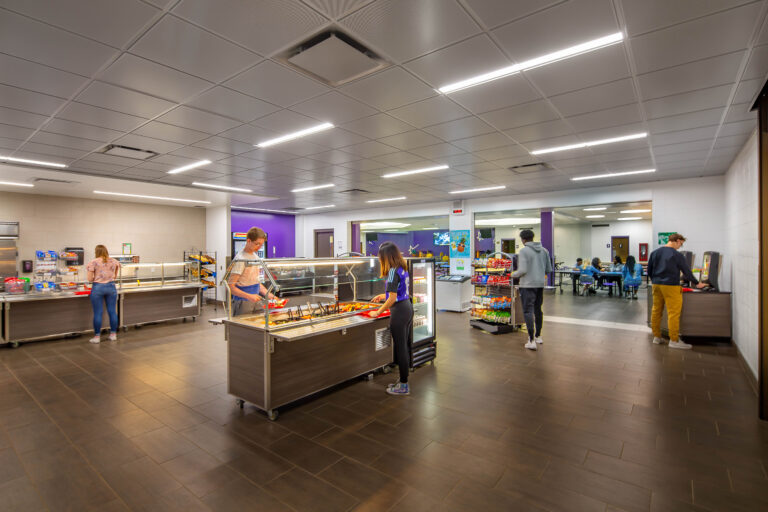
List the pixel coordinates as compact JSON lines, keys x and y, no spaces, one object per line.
{"x":758,"y":64}
{"x":89,"y":166}
{"x":112,"y":97}
{"x":481,"y":168}
{"x":377,"y":126}
{"x":428,"y":112}
{"x":56,"y":139}
{"x":171,"y":133}
{"x":410,"y":140}
{"x":509,"y":151}
{"x":482,"y":142}
{"x":687,"y":77}
{"x":420,"y":26}
{"x":334,"y":107}
{"x":492,"y":14}
{"x":460,"y":61}
{"x":616,"y":116}
{"x":463,"y":159}
{"x":740,"y":112}
{"x":691,"y":156}
{"x":693,"y":40}
{"x":285,"y":121}
{"x":172,"y":160}
{"x":10,"y":143}
{"x":268,"y":155}
{"x":557,"y":28}
{"x":201,"y":154}
{"x":148,"y":174}
{"x":21,"y":118}
{"x":264,"y":26}
{"x":335,"y":138}
{"x":85,"y":131}
{"x":169,"y":42}
{"x":705,"y":133}
{"x":21,"y":99}
{"x":249,"y":134}
{"x":520,"y":115}
{"x":738,"y":128}
{"x":594,"y":68}
{"x":337,"y":8}
{"x":506,"y":163}
{"x":368,"y":150}
{"x":612,"y":94}
{"x":224,"y":145}
{"x":699,"y":145}
{"x":389,"y":89}
{"x":301,"y":148}
{"x":631,"y":154}
{"x":556,"y":141}
{"x":113,"y":22}
{"x":646,"y":15}
{"x":36,"y":77}
{"x":307,"y":164}
{"x":686,"y":121}
{"x":437,"y":151}
{"x":747,"y":91}
{"x":151,"y":78}
{"x":460,"y":128}
{"x":246,"y":163}
{"x":276,"y":84}
{"x":362,"y":165}
{"x":540,"y":131}
{"x":45,"y":149}
{"x":88,"y":114}
{"x":44,"y":44}
{"x":15,"y":132}
{"x":688,"y":102}
{"x":146,"y":143}
{"x":511,"y":90}
{"x":188,"y":117}
{"x":237,"y":105}
{"x":399,"y":158}
{"x":113,"y":160}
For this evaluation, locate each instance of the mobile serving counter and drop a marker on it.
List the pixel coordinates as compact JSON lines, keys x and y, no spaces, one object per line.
{"x":279,"y":353}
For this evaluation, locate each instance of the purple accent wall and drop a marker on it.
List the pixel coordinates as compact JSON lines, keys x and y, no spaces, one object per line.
{"x":280,"y":229}
{"x":547,"y":237}
{"x":355,"y":246}
{"x":425,"y":241}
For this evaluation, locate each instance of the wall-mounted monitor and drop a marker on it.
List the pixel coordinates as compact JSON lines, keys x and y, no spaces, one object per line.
{"x":441,"y":238}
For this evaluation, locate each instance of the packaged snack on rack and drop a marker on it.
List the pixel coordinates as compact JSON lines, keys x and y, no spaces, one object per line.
{"x":14,"y":285}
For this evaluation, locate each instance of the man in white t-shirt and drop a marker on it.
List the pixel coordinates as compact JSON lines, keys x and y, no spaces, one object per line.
{"x":244,"y":280}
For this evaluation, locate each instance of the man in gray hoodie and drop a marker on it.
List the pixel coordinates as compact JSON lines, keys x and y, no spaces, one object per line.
{"x":533,"y":265}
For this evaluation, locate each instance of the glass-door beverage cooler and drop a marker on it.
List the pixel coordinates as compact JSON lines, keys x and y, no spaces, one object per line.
{"x":422,"y":289}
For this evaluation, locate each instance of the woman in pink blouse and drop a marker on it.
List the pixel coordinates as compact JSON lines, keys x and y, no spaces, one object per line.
{"x":102,"y":272}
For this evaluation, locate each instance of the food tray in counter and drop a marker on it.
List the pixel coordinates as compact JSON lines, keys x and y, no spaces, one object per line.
{"x":305,"y":331}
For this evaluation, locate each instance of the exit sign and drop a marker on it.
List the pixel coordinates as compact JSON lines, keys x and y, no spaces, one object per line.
{"x":458,"y":211}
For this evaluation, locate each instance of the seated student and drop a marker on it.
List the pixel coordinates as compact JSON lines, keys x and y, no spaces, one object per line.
{"x":632,"y":275}
{"x":575,"y":273}
{"x":617,"y":264}
{"x":589,"y":274}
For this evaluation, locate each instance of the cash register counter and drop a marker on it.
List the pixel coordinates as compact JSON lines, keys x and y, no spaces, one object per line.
{"x":705,"y":314}
{"x":38,"y":316}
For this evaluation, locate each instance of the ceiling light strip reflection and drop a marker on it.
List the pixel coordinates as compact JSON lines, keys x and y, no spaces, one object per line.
{"x":30,"y":162}
{"x":415,"y":171}
{"x":387,"y":199}
{"x":16,"y":184}
{"x":481,"y":189}
{"x":262,"y":210}
{"x":295,"y":135}
{"x":189,"y":167}
{"x":316,"y":187}
{"x":160,"y":198}
{"x":221,"y":187}
{"x":591,"y":143}
{"x":612,"y":175}
{"x":318,"y":207}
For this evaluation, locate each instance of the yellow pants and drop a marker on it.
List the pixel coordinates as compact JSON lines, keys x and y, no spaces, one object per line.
{"x":672,"y":297}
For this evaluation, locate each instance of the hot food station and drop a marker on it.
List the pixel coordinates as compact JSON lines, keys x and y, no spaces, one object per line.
{"x":317,"y":332}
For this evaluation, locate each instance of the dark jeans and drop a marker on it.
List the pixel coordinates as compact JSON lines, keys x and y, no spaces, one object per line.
{"x":533,"y":298}
{"x":101,"y":293}
{"x":400,"y":323}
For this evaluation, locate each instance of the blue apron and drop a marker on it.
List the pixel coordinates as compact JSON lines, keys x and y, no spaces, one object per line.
{"x":252,"y":288}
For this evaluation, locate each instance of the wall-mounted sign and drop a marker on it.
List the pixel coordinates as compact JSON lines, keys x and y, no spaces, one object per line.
{"x":460,"y":243}
{"x":664,"y":237}
{"x":127,"y":248}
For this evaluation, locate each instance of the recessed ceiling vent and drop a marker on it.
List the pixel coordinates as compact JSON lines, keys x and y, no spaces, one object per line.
{"x":528,"y":168}
{"x":51,"y":181}
{"x":128,"y":152}
{"x":354,"y":191}
{"x":333,"y":57}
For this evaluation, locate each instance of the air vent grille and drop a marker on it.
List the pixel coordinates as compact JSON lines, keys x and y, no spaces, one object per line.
{"x":354,"y":191}
{"x":54,"y":181}
{"x":529,"y":168}
{"x":129,"y":152}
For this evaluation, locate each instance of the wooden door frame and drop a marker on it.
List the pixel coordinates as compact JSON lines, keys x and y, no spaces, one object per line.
{"x":613,"y":256}
{"x":327,"y":230}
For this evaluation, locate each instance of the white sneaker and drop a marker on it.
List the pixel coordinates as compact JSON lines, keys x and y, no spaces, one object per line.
{"x":113,"y":336}
{"x":659,"y":341}
{"x":538,"y":340}
{"x":95,"y":339}
{"x":531,"y":345}
{"x":680,"y":345}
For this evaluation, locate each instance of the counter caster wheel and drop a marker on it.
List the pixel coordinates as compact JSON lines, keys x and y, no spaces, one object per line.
{"x":272,"y":415}
{"x":369,"y":377}
{"x":386,"y":369}
{"x":14,"y":344}
{"x":240,"y":402}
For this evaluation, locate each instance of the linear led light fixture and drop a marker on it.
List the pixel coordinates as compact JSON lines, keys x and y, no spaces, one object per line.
{"x":295,"y":135}
{"x":596,"y":209}
{"x":318,"y":207}
{"x":595,"y":216}
{"x":630,"y":218}
{"x":262,"y":210}
{"x":549,"y":58}
{"x":221,"y":187}
{"x":386,"y":199}
{"x":316,"y":187}
{"x":161,"y":198}
{"x":188,"y":167}
{"x":482,"y":189}
{"x":611,"y":175}
{"x":16,"y":184}
{"x":31,"y":162}
{"x":589,"y":144}
{"x":415,"y":171}
{"x":634,"y":211}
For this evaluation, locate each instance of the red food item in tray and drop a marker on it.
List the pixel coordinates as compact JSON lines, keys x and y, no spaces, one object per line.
{"x":385,"y":314}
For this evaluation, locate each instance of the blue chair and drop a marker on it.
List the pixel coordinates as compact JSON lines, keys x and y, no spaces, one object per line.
{"x":587,"y":282}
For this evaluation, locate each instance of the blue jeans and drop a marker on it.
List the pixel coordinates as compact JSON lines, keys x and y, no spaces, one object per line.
{"x":101,"y":293}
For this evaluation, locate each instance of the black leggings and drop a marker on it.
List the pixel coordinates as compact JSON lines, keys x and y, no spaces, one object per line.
{"x":400,"y":326}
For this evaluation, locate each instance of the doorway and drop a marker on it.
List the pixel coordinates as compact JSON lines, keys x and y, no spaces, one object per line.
{"x":323,"y":243}
{"x":508,"y":245}
{"x":619,"y":247}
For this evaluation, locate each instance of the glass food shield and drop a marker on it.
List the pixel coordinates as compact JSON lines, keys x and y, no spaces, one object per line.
{"x":307,"y":291}
{"x":145,"y":275}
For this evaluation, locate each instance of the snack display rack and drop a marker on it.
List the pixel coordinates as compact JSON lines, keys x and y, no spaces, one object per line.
{"x":207,"y":273}
{"x":495,"y":303}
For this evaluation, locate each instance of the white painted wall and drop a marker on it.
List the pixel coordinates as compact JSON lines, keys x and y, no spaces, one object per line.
{"x":584,"y":241}
{"x":572,"y":241}
{"x":740,"y":263}
{"x":217,"y":232}
{"x":158,"y":233}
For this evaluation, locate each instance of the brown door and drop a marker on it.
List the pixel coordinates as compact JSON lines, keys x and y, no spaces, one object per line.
{"x":508,"y":245}
{"x":323,"y":243}
{"x":619,"y":247}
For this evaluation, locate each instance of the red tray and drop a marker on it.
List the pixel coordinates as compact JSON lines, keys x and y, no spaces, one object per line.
{"x":368,"y":314}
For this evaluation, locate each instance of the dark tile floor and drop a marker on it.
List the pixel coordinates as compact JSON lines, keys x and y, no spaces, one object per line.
{"x":597,"y":420}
